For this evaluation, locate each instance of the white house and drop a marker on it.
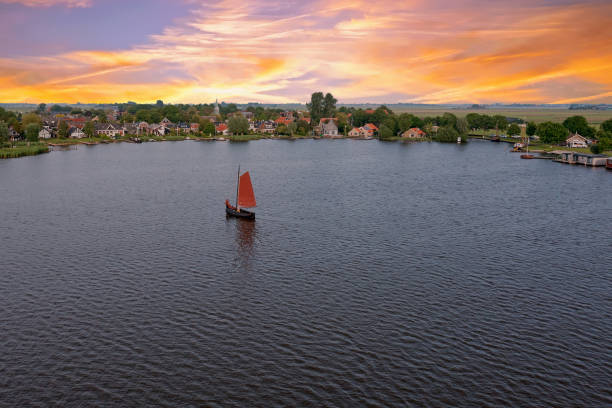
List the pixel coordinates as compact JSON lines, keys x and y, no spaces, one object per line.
{"x":109,"y":130}
{"x":45,"y":133}
{"x":576,"y":140}
{"x":329,"y":128}
{"x":76,"y":133}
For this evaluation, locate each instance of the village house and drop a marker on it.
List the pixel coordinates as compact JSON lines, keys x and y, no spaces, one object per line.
{"x":13,"y":134}
{"x":354,"y":132}
{"x":283,"y":120}
{"x":110,"y":130}
{"x":222,"y":129}
{"x":327,"y":127}
{"x":184,"y":127}
{"x":76,"y":122}
{"x":45,"y":133}
{"x":76,"y":133}
{"x":130,"y":129}
{"x":576,"y":140}
{"x":195,"y":127}
{"x":414,"y":133}
{"x":370,"y":129}
{"x":267,"y":126}
{"x":158,"y":130}
{"x":143,"y":127}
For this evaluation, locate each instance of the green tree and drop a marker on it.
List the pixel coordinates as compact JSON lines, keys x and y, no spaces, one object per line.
{"x":447,"y":134}
{"x":553,"y":133}
{"x":329,"y":105}
{"x":32,"y":132}
{"x":379,"y":115}
{"x":89,"y":129}
{"x":293,"y":127}
{"x":514,"y":130}
{"x":343,"y":122}
{"x":63,"y":129}
{"x":596,"y":148}
{"x":604,"y":139}
{"x":385,"y":132}
{"x":576,"y":124}
{"x":474,"y":120}
{"x":500,"y":122}
{"x":4,"y":133}
{"x":316,"y":107}
{"x":607,"y":125}
{"x":156,"y":117}
{"x":407,"y":121}
{"x":391,"y":123}
{"x":207,"y":128}
{"x":462,"y":127}
{"x":302,"y":127}
{"x":282,"y":130}
{"x":447,"y":119}
{"x":238,"y":125}
{"x":41,"y":108}
{"x":532,"y":128}
{"x":30,"y":118}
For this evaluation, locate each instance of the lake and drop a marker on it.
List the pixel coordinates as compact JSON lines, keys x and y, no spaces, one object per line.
{"x":376,"y":274}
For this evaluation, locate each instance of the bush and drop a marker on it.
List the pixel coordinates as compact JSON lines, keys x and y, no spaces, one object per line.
{"x":448,"y":134}
{"x":596,"y":149}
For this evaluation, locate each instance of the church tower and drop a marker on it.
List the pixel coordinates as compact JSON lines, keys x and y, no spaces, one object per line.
{"x":216,"y":111}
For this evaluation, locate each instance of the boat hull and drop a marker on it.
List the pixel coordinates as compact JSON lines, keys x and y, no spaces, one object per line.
{"x":244,"y":214}
{"x":526,"y":156}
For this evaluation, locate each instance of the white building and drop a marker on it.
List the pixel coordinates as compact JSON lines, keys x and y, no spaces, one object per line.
{"x":576,"y":140}
{"x":45,"y":133}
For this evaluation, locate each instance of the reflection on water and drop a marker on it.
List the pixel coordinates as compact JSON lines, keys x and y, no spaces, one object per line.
{"x":246,"y":231}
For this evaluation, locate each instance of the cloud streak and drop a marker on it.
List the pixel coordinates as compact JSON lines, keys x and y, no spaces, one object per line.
{"x":412,"y":51}
{"x":49,"y":3}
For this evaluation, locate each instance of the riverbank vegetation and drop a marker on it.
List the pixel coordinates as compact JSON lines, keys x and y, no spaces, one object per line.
{"x":22,"y":150}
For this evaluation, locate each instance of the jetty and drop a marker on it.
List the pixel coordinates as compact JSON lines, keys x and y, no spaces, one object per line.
{"x":586,"y":159}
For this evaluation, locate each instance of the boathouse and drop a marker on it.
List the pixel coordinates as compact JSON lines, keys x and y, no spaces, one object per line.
{"x":592,"y":160}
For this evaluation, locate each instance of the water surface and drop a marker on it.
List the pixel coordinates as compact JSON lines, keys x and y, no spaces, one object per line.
{"x":376,"y":274}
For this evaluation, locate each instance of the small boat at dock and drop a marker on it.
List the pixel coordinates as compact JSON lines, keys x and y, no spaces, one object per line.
{"x":245,"y":198}
{"x":527,"y":155}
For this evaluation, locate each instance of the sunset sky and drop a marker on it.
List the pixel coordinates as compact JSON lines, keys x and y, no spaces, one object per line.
{"x":385,"y":51}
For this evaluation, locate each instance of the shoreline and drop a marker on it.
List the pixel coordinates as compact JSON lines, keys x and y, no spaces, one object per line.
{"x":47,"y":146}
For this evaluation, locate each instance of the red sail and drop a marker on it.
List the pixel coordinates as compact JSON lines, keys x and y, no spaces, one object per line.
{"x":246,"y":197}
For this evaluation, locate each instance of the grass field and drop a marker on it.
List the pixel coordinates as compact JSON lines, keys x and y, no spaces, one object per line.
{"x":595,"y":117}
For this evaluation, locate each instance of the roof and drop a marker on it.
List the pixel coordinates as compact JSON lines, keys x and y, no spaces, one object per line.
{"x":221,"y":127}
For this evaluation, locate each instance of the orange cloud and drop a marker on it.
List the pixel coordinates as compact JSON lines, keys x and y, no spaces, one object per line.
{"x":393,"y":51}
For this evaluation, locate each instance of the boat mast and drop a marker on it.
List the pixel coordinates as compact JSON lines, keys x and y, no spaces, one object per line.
{"x":237,"y":186}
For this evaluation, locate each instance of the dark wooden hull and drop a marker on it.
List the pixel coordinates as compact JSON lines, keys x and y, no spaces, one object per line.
{"x":244,"y":214}
{"x":526,"y":156}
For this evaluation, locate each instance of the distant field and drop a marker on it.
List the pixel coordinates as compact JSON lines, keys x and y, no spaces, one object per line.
{"x":595,"y":117}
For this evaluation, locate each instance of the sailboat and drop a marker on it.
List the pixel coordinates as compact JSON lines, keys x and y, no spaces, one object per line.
{"x":245,"y":198}
{"x":527,"y":155}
